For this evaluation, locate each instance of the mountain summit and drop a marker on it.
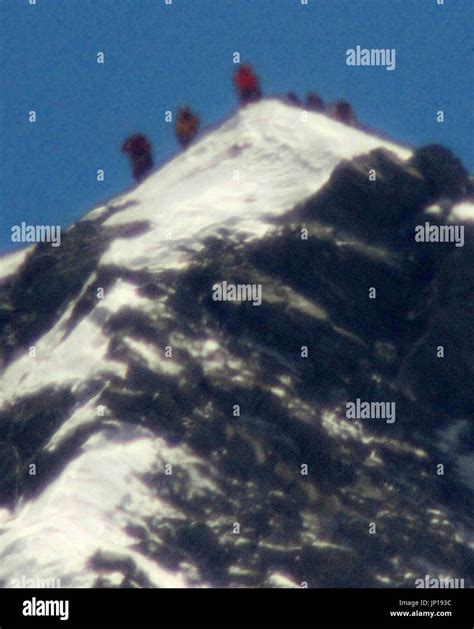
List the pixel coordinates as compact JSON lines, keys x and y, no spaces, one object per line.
{"x":176,"y":374}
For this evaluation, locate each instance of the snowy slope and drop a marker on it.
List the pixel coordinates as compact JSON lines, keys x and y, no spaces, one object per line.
{"x":219,"y":183}
{"x":256,"y":166}
{"x":223,"y":180}
{"x":10,"y":262}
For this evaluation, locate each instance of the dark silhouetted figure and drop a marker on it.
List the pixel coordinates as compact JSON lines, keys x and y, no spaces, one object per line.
{"x":314,"y":102}
{"x":187,"y":125}
{"x":138,"y":149}
{"x":341,"y":110}
{"x":247,"y":85}
{"x":293,"y":99}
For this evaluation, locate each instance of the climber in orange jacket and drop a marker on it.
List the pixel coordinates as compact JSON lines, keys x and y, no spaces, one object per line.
{"x":247,"y":85}
{"x":187,"y":125}
{"x":138,"y":149}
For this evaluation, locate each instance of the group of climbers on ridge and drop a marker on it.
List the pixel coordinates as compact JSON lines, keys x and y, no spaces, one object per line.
{"x":247,"y":84}
{"x":341,"y":110}
{"x":138,"y":148}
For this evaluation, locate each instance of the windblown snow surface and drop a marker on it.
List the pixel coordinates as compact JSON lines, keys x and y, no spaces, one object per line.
{"x":128,"y":465}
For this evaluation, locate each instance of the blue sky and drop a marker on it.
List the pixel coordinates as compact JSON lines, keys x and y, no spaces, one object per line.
{"x":158,"y":57}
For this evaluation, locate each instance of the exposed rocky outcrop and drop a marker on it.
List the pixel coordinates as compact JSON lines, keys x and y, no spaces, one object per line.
{"x":443,"y":172}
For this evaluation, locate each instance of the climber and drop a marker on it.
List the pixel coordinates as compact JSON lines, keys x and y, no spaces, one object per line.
{"x":138,"y":149}
{"x":187,"y":125}
{"x":247,"y":85}
{"x":314,"y":102}
{"x":293,"y":99}
{"x":341,"y":110}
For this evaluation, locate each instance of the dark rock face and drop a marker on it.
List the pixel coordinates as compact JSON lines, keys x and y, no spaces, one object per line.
{"x":32,"y":301}
{"x":24,"y":431}
{"x":395,"y":192}
{"x":443,"y":172}
{"x":317,"y":266}
{"x":428,"y":296}
{"x":447,"y":383}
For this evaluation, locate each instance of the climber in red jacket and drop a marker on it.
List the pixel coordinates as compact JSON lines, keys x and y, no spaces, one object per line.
{"x":138,"y":149}
{"x":247,"y":85}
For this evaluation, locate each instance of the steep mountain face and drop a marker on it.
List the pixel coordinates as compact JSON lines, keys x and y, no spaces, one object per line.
{"x":152,"y":435}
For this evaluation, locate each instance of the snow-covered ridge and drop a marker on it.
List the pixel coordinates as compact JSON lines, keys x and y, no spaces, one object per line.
{"x":224,"y":177}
